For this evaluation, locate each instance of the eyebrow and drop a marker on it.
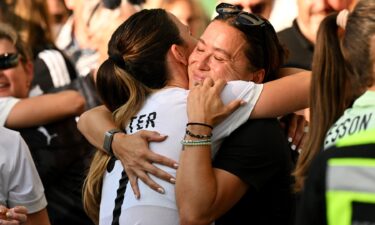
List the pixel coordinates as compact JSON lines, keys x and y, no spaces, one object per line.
{"x":216,"y":49}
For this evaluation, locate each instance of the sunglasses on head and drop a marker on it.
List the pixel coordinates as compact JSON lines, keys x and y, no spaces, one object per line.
{"x":243,"y":18}
{"x":9,"y":60}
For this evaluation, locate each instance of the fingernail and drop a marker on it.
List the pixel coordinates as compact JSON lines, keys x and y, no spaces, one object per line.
{"x":172,"y":180}
{"x":306,"y":129}
{"x":299,"y":151}
{"x":243,"y":102}
{"x":9,"y":215}
{"x":161,"y":190}
{"x":290,"y":139}
{"x":163,"y":135}
{"x":175,"y":165}
{"x":293,"y":147}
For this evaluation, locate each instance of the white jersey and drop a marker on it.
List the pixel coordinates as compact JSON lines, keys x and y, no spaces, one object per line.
{"x":19,"y":180}
{"x":6,"y":105}
{"x":165,"y":112}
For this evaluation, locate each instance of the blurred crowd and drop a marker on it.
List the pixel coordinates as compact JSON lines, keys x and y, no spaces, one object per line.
{"x":53,"y":52}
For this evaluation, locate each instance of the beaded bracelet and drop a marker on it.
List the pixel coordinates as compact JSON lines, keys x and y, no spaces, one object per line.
{"x":196,"y":142}
{"x":200,"y":124}
{"x":200,"y":136}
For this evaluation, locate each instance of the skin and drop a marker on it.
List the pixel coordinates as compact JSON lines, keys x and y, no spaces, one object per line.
{"x":37,"y":110}
{"x":312,"y":12}
{"x":218,"y":56}
{"x":99,"y":30}
{"x":182,"y":9}
{"x":137,"y":163}
{"x":254,"y":6}
{"x":14,"y":81}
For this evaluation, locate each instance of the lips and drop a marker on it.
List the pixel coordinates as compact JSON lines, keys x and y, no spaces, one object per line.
{"x":4,"y":85}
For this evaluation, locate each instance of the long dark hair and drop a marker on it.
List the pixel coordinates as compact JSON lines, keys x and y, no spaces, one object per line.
{"x":342,"y":70}
{"x":136,"y":66}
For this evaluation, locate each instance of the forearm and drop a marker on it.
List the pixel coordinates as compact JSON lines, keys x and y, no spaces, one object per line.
{"x":283,"y":96}
{"x":44,"y":109}
{"x":286,"y":71}
{"x":196,"y":185}
{"x":94,"y":123}
{"x":38,"y":218}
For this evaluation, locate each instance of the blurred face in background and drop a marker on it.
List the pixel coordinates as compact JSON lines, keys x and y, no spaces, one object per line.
{"x":103,"y":22}
{"x":312,"y":12}
{"x":259,"y":7}
{"x":15,"y":79}
{"x":189,"y":12}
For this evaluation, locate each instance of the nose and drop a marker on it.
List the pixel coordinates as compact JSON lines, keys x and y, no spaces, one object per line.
{"x":320,"y":5}
{"x":203,"y":63}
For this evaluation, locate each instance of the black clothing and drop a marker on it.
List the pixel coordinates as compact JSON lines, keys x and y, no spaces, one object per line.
{"x":312,"y":205}
{"x":62,"y":157}
{"x":52,"y":67}
{"x":300,"y":49}
{"x":258,"y":154}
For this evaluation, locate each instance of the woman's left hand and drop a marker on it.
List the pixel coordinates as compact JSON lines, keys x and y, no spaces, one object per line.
{"x":205,"y":105}
{"x":13,"y":216}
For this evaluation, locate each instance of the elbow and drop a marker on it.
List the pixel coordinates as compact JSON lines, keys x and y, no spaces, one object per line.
{"x":81,"y":122}
{"x":78,"y":104}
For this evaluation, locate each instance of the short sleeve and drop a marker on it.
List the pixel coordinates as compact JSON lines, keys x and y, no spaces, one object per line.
{"x":6,"y":105}
{"x":247,"y":91}
{"x":25,"y":186}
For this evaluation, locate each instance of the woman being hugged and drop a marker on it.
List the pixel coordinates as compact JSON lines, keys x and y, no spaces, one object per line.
{"x":144,"y":82}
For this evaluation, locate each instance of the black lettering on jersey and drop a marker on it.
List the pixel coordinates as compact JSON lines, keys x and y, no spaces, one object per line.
{"x":131,"y":124}
{"x":349,"y":126}
{"x":343,"y":128}
{"x":151,"y":119}
{"x":354,"y":126}
{"x":365,"y":121}
{"x":140,"y":122}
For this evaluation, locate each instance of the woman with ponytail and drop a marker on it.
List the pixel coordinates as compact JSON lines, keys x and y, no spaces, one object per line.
{"x":343,"y":70}
{"x":342,"y":106}
{"x":143,"y":83}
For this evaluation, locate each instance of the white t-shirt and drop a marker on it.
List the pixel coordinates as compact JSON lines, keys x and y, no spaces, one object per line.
{"x":165,"y":112}
{"x":6,"y":105}
{"x":19,"y":180}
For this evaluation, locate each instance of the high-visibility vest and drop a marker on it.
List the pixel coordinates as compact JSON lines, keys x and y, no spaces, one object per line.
{"x":350,"y":182}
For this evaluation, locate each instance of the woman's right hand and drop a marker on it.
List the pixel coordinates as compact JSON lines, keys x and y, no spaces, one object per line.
{"x":205,"y":104}
{"x":13,"y":216}
{"x":136,"y":157}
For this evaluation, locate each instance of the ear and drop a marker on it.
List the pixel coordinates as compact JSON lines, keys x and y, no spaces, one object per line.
{"x":29,"y":71}
{"x":178,"y":53}
{"x":69,"y":4}
{"x":258,"y":76}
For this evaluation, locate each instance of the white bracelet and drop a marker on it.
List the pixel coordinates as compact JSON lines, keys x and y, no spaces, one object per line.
{"x":196,"y":142}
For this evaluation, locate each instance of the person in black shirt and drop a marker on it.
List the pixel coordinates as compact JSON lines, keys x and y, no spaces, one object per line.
{"x":300,"y":38}
{"x":258,"y":154}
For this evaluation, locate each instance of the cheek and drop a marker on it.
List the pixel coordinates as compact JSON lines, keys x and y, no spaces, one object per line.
{"x":221,"y":72}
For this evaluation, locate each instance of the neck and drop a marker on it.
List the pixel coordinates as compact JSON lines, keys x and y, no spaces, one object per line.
{"x":372,"y":88}
{"x":177,"y":76}
{"x":311,"y":36}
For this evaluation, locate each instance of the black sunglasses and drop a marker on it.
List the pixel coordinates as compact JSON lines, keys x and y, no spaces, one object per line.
{"x":9,"y":60}
{"x":243,"y":18}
